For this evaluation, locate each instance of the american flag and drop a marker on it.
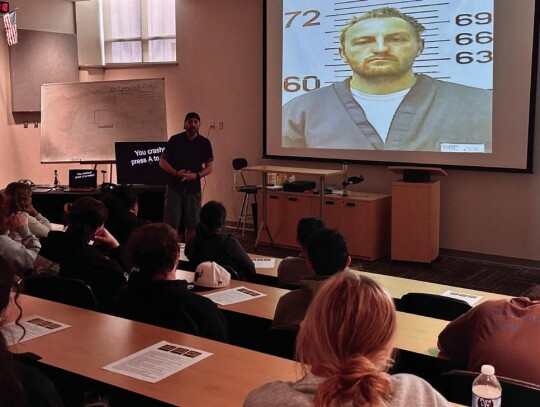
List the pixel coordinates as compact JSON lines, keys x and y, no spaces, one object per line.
{"x":10,"y":27}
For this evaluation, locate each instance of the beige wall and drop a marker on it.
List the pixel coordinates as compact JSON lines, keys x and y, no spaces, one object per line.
{"x":219,"y":74}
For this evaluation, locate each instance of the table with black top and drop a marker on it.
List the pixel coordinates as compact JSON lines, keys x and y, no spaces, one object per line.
{"x":50,"y":203}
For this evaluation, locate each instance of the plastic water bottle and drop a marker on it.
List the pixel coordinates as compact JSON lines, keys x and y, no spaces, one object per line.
{"x":486,"y":389}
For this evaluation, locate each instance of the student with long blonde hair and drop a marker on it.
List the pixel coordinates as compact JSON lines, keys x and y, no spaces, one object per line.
{"x":19,"y":197}
{"x":19,"y":256}
{"x":345,"y":345}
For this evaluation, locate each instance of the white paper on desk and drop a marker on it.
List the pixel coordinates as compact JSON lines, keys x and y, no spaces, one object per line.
{"x":470,"y":299}
{"x":157,"y":361}
{"x":234,"y":295}
{"x":264,"y":263}
{"x":35,"y":327}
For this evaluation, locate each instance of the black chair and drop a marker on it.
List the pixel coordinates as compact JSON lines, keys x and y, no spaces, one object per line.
{"x":68,"y":291}
{"x":248,"y":191}
{"x":281,"y":342}
{"x":456,"y":386}
{"x":434,"y":306}
{"x":234,"y":274}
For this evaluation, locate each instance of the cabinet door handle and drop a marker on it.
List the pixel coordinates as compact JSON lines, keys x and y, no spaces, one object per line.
{"x":274,"y":197}
{"x":350,"y":204}
{"x":329,"y":202}
{"x":293,"y":199}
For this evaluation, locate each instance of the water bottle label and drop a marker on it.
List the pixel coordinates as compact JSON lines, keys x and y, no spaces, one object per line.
{"x":485,"y":402}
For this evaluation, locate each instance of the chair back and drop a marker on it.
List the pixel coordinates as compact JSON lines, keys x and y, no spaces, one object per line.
{"x":432,"y":305}
{"x":234,"y":274}
{"x":238,"y":164}
{"x":456,"y":387}
{"x":68,"y":291}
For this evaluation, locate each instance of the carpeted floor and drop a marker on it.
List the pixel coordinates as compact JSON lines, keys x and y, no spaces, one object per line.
{"x":492,"y":276}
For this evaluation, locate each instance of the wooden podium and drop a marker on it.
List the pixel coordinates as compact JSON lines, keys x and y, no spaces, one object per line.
{"x":415,"y":214}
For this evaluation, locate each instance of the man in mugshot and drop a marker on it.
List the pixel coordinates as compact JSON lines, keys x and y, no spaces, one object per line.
{"x":385,"y":105}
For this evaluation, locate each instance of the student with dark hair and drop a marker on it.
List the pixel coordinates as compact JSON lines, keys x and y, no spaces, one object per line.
{"x":21,"y":385}
{"x":211,"y":245}
{"x":19,"y":256}
{"x":153,"y":294}
{"x":87,"y":251}
{"x":327,"y":254}
{"x":345,"y":347}
{"x":292,"y":269}
{"x":19,"y":196}
{"x":123,"y":206}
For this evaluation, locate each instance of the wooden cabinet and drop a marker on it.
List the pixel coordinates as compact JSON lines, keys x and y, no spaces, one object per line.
{"x":296,"y":208}
{"x":363,"y":218}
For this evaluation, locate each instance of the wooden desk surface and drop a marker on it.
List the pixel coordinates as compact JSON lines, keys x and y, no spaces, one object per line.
{"x":398,"y":286}
{"x":269,"y":271}
{"x":292,"y":170}
{"x":95,"y":340}
{"x":224,"y":379}
{"x":352,"y":195}
{"x":57,"y":227}
{"x":262,"y":307}
{"x":415,"y":333}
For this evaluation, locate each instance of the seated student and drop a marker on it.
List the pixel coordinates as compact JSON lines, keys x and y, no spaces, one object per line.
{"x":292,"y":269}
{"x":501,"y":333}
{"x":123,"y":206}
{"x":210,"y":245}
{"x":327,"y":254}
{"x":20,"y":384}
{"x":19,"y":197}
{"x":154,"y":296}
{"x":20,"y":257}
{"x":345,"y":347}
{"x":98,"y":264}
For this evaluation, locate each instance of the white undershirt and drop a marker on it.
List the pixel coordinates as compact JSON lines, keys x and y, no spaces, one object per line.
{"x":380,"y":109}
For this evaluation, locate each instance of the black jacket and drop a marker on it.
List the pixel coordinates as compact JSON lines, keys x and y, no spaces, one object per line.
{"x":122,"y":225}
{"x":225,"y":250}
{"x":169,"y":304}
{"x":102,"y":271}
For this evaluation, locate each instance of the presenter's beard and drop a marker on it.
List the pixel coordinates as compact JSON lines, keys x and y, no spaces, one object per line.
{"x":383,"y":66}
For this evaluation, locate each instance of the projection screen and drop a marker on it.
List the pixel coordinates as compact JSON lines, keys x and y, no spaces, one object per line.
{"x":451,"y":84}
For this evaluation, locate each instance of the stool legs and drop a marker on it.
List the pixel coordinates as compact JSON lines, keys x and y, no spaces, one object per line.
{"x":244,"y":214}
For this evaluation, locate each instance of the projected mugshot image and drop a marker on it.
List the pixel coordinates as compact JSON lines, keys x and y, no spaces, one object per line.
{"x":385,"y":105}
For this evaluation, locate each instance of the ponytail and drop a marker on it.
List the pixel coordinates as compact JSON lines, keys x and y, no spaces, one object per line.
{"x":346,"y":338}
{"x":359,"y":381}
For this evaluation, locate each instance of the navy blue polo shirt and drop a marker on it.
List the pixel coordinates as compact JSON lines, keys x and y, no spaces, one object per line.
{"x":185,"y":154}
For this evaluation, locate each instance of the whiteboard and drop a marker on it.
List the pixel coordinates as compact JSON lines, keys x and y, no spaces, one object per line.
{"x":80,"y":122}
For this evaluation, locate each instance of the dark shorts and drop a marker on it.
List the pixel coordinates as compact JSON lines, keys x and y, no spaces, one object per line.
{"x":181,"y":206}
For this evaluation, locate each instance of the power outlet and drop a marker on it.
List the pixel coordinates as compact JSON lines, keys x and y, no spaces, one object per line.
{"x":221,"y":125}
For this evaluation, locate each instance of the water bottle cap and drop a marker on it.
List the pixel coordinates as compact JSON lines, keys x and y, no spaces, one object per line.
{"x":488,"y":370}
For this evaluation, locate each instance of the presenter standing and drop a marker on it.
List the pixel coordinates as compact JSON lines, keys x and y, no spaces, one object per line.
{"x":187,"y":158}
